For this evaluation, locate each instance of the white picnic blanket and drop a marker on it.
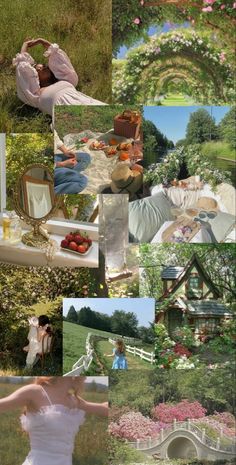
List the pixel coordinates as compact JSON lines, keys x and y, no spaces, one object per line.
{"x":100,"y":169}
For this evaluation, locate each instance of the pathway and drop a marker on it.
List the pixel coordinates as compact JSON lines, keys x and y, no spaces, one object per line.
{"x":174,"y":100}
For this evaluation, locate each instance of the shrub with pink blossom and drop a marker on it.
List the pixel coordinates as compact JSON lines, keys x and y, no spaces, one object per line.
{"x":215,"y":426}
{"x":134,"y":425}
{"x":182,"y":411}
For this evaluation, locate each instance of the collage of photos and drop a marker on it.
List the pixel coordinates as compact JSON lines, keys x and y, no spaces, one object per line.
{"x":117,"y":232}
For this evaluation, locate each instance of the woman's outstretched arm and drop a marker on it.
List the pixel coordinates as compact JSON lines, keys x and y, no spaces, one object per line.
{"x":93,"y":408}
{"x":20,"y":398}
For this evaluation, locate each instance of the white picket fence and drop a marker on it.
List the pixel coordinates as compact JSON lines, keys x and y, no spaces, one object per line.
{"x":85,"y":361}
{"x":148,"y":356}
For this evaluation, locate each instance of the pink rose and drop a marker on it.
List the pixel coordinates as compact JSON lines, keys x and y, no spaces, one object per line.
{"x":207,"y":9}
{"x":137,"y":21}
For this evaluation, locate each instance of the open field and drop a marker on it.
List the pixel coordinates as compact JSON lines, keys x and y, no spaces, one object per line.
{"x":90,"y":446}
{"x":75,"y":119}
{"x":74,"y":339}
{"x":84,"y":33}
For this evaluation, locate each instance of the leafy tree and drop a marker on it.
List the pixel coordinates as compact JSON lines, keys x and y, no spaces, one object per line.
{"x":227,"y":127}
{"x":147,"y":335}
{"x":201,"y":127}
{"x":218,"y":260}
{"x":180,"y":143}
{"x":155,"y":143}
{"x":72,"y":315}
{"x":124,"y":323}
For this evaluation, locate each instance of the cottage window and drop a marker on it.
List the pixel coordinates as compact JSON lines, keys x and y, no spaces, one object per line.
{"x":194,"y":287}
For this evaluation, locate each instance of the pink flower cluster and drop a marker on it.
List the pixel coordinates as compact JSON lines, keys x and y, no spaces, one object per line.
{"x":208,"y":8}
{"x":134,"y":426}
{"x":167,"y":413}
{"x":218,"y":422}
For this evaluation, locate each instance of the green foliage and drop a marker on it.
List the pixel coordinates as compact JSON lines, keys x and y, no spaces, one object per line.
{"x":23,"y":150}
{"x":201,"y":127}
{"x":217,"y":259}
{"x":155,"y":143}
{"x":227,"y":128}
{"x":72,"y":315}
{"x":218,"y":149}
{"x":122,"y":453}
{"x":124,"y":323}
{"x":84,"y":33}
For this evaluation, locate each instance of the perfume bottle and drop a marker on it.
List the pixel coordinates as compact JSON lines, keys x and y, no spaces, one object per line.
{"x":15,"y":232}
{"x":6,"y":226}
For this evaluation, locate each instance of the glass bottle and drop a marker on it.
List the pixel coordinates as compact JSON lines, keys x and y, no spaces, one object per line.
{"x":15,"y":229}
{"x":6,"y":225}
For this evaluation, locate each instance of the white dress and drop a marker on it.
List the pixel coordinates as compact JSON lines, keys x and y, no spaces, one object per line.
{"x":52,"y":432}
{"x":62,"y":92}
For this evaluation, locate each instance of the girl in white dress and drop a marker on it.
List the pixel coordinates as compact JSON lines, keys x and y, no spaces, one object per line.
{"x":54,"y":412}
{"x":43,"y":86}
{"x":39,"y":329}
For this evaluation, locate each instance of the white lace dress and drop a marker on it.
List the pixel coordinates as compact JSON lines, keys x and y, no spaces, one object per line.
{"x":62,"y":92}
{"x":52,"y":432}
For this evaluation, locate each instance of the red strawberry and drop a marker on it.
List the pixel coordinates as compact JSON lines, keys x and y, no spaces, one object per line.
{"x":64,"y":243}
{"x":81,"y":249}
{"x":85,"y":244}
{"x":78,"y":239}
{"x":69,"y":237}
{"x":73,"y":245}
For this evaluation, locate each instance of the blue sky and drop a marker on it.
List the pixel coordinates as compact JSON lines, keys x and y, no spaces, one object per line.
{"x":172,"y":121}
{"x":143,"y":308}
{"x":151,"y":31}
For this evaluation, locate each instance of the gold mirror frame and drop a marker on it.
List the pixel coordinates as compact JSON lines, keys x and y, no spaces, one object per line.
{"x":36,"y":237}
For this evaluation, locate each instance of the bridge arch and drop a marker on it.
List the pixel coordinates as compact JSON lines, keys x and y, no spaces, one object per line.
{"x":182,"y":448}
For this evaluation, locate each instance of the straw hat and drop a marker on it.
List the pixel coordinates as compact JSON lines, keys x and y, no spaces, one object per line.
{"x":207,"y":204}
{"x":125,"y":180}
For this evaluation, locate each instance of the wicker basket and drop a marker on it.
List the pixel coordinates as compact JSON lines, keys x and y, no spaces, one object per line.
{"x":128,"y":124}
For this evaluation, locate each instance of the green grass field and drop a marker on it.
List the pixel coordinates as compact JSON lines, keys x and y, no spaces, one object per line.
{"x":218,"y":149}
{"x":172,"y":100}
{"x":75,"y":119}
{"x":74,"y":339}
{"x":90,"y":445}
{"x":84,"y":32}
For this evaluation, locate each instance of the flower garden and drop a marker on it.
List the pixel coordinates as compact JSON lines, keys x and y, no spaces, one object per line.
{"x":195,"y":163}
{"x":148,"y":409}
{"x":194,"y":56}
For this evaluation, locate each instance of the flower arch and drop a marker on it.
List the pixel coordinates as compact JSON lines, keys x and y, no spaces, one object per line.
{"x":132,"y":19}
{"x":151,"y":68}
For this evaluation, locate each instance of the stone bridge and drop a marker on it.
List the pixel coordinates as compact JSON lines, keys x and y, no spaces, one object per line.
{"x":185,"y":440}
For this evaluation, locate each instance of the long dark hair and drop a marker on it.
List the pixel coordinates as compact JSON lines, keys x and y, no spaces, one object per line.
{"x":44,"y":320}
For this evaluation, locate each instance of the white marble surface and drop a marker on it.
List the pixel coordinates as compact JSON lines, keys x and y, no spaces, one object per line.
{"x":20,"y":254}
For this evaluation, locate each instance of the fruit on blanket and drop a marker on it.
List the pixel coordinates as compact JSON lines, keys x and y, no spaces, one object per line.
{"x":97,"y":145}
{"x":81,"y":249}
{"x":124,"y":156}
{"x":113,"y":142}
{"x":110,"y":151}
{"x":73,"y":245}
{"x":124,"y":146}
{"x":77,"y":241}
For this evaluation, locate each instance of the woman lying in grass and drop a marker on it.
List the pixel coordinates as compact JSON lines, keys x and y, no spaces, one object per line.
{"x":43,"y":86}
{"x":54,"y":412}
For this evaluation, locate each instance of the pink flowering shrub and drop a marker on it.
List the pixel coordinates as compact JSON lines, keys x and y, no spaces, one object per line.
{"x":217,"y":424}
{"x":166,"y":413}
{"x":134,"y":426}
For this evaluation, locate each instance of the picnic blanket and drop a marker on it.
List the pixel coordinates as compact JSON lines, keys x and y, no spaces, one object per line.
{"x":99,"y":170}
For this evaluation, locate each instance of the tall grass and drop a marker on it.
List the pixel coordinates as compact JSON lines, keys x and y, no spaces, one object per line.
{"x":82,"y":29}
{"x":219,"y":149}
{"x":90,"y":445}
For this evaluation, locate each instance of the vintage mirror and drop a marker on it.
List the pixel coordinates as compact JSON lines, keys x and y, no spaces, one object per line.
{"x":35,"y":201}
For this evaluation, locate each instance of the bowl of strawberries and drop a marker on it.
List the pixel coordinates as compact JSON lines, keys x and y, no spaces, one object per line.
{"x":77,"y":242}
